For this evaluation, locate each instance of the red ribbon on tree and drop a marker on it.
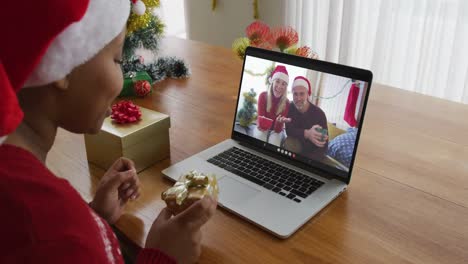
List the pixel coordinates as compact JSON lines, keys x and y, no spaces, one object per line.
{"x":125,"y":112}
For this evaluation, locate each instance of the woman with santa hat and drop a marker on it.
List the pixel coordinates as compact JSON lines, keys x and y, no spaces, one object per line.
{"x":273,"y":106}
{"x":60,"y":67}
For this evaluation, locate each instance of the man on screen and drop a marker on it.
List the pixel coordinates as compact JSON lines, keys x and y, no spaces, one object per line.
{"x":307,"y":131}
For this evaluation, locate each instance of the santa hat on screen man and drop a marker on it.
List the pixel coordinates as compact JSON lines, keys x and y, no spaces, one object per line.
{"x":68,"y":34}
{"x":302,"y":81}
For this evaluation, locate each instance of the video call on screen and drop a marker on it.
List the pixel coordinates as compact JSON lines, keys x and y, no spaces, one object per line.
{"x":306,"y":115}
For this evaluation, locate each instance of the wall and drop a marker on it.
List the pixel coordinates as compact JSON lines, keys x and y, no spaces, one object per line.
{"x":229,"y":20}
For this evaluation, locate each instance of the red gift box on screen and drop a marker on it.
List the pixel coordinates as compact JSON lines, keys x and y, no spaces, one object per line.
{"x":264,"y":122}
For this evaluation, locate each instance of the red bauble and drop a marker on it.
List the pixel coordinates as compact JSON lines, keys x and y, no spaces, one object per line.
{"x":142,"y":88}
{"x":125,"y":112}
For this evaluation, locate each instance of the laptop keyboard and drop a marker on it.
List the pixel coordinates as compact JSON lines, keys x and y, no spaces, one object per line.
{"x":272,"y":176}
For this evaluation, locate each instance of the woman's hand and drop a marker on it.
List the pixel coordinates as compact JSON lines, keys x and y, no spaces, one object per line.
{"x":118,"y":185}
{"x":180,"y":236}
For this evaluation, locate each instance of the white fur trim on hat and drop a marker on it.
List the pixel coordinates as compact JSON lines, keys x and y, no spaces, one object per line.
{"x":301,"y":82}
{"x":280,"y":75}
{"x":81,"y":41}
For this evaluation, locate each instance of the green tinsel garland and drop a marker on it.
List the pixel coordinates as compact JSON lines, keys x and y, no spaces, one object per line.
{"x":164,"y":67}
{"x":147,"y":38}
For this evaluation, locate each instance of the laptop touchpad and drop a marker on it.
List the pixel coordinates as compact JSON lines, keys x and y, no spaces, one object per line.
{"x":233,"y":191}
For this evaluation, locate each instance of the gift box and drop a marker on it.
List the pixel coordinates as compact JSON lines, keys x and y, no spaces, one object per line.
{"x":265,"y":122}
{"x":145,"y":141}
{"x":129,"y":82}
{"x":190,"y":188}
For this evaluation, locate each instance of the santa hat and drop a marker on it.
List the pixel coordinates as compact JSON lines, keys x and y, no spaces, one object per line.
{"x":45,"y":40}
{"x":302,"y":81}
{"x":280,"y":72}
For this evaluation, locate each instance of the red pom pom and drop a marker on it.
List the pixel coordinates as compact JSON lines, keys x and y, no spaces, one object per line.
{"x":142,"y":88}
{"x":125,"y":112}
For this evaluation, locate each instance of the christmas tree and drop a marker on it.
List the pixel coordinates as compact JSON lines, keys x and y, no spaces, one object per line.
{"x":144,"y":31}
{"x":248,"y":113}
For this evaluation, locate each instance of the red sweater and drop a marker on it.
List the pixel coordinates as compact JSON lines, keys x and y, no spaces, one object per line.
{"x":44,"y":220}
{"x":262,"y":111}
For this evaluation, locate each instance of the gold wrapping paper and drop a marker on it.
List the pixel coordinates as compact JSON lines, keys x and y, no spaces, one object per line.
{"x":190,"y":188}
{"x":145,"y":142}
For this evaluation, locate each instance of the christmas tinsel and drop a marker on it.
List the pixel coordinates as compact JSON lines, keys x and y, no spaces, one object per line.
{"x":162,"y":68}
{"x":148,"y":38}
{"x":136,"y":22}
{"x":145,"y":31}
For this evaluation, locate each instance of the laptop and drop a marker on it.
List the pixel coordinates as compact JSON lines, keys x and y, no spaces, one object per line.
{"x":272,"y":177}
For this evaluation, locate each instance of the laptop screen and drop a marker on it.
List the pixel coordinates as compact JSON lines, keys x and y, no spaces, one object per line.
{"x":301,"y":111}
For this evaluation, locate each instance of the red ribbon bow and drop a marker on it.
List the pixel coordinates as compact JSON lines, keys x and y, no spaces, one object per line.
{"x":125,"y":112}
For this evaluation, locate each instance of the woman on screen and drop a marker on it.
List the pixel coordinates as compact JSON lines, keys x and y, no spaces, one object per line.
{"x":273,"y":106}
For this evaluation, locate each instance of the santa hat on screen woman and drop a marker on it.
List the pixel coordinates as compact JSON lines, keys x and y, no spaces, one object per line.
{"x":281,"y":73}
{"x":49,"y":40}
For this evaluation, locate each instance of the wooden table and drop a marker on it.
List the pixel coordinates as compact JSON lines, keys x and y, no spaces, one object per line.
{"x":408,"y":198}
